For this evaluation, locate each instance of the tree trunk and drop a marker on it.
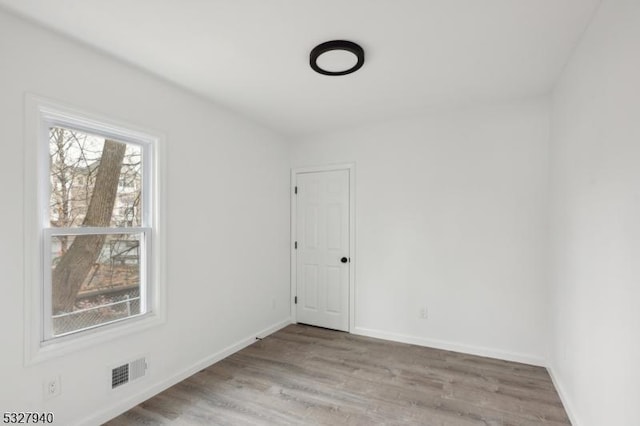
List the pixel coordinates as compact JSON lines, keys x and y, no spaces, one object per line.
{"x":76,"y":263}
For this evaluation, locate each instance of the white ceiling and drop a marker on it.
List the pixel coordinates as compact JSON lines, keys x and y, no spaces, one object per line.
{"x":252,"y":55}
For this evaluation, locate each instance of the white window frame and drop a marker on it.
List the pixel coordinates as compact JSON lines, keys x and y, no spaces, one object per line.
{"x":40,"y":344}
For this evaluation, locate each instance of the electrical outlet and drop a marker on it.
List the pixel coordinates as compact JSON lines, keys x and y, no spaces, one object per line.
{"x":52,"y":387}
{"x":423,"y":312}
{"x":273,"y":303}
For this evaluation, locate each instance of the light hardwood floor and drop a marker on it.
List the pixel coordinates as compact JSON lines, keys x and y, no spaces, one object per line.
{"x":306,"y":375}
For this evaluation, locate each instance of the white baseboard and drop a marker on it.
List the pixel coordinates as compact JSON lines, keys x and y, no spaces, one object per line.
{"x":568,"y":407}
{"x":452,"y":346}
{"x":130,"y":402}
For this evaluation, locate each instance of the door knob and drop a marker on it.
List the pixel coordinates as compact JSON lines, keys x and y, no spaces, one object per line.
{"x":344,"y":260}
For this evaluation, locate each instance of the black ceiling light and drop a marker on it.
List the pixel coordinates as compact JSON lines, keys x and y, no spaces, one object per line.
{"x":336,"y":57}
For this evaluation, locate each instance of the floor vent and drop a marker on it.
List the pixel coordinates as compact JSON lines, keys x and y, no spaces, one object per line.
{"x":125,"y":373}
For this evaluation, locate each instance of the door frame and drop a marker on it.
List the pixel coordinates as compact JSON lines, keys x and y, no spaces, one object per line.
{"x":350,"y":167}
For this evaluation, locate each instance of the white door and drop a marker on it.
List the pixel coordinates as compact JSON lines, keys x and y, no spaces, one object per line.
{"x":322,"y":253}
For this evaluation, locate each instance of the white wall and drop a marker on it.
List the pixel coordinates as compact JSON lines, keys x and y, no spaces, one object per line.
{"x":451,"y":214}
{"x":595,"y":181}
{"x":227,"y":217}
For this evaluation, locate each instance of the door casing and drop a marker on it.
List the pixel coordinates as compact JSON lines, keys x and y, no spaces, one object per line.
{"x":350,"y":167}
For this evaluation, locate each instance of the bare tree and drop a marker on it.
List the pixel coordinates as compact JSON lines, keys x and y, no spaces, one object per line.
{"x":76,"y":262}
{"x":60,"y":185}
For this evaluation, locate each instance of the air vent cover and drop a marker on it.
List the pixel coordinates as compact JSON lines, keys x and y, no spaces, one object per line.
{"x":127,"y":372}
{"x":119,"y":376}
{"x":137,"y":368}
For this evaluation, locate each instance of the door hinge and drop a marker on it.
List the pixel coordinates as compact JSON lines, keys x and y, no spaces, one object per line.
{"x":295,"y":300}
{"x":295,"y":245}
{"x":295,"y":190}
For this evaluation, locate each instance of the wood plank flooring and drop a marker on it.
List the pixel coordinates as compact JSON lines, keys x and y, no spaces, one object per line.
{"x":305,"y":375}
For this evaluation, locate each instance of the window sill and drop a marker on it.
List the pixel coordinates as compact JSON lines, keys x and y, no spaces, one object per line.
{"x":44,"y":351}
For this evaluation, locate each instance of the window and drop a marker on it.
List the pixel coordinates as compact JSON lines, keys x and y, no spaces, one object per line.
{"x":98,"y":247}
{"x":95,"y":247}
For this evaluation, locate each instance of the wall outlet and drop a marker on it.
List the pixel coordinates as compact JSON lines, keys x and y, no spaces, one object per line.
{"x":423,"y":314}
{"x":273,"y":303}
{"x":52,"y":387}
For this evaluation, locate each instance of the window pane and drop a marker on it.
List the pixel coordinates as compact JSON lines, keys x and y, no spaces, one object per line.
{"x":93,"y":181}
{"x":95,"y":280}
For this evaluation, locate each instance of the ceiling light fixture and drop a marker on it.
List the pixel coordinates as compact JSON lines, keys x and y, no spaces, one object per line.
{"x":336,"y":57}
